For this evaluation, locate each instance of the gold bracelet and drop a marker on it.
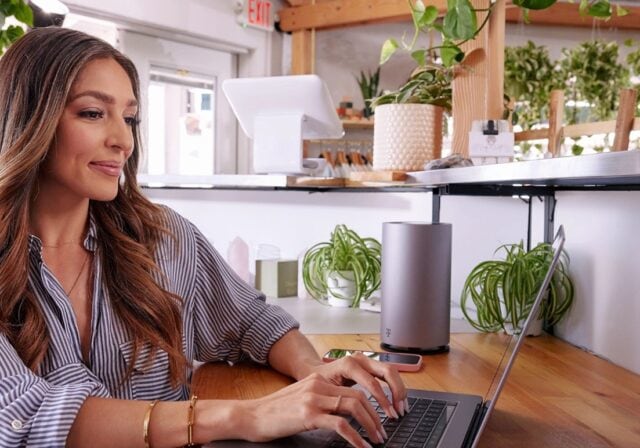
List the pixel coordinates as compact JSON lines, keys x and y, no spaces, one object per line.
{"x":145,"y":423}
{"x":190,"y":419}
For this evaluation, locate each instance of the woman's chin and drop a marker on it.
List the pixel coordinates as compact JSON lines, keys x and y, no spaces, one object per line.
{"x":105,"y":195}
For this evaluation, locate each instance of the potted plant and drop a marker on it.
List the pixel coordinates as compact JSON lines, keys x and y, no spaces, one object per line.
{"x":368,"y":84}
{"x":22,"y":13}
{"x":398,"y":138}
{"x":343,"y":270}
{"x":498,"y":294}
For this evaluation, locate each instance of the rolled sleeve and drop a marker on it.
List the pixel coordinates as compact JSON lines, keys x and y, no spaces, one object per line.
{"x":231,"y":318}
{"x":33,"y":411}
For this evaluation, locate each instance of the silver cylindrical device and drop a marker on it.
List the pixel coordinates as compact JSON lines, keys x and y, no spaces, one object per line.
{"x":416,"y":286}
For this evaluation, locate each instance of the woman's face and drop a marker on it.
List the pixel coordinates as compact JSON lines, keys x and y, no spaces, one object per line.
{"x":94,"y":137}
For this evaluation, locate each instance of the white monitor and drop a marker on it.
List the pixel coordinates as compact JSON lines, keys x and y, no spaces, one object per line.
{"x":278,"y":112}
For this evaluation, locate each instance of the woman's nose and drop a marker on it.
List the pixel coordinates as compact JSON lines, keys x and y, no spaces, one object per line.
{"x":120,"y":136}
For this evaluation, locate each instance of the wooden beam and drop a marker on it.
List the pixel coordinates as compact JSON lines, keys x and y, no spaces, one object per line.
{"x":495,"y":54}
{"x":340,"y":13}
{"x":470,"y":86}
{"x":324,"y":14}
{"x":568,"y":14}
{"x":624,"y":120}
{"x":302,"y":52}
{"x":556,"y":114}
{"x":306,"y":2}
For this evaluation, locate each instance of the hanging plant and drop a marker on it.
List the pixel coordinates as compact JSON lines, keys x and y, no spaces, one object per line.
{"x":595,"y":76}
{"x":529,"y":77}
{"x":633,"y":61}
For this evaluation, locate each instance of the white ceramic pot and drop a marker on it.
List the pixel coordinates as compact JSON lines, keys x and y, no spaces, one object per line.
{"x":406,"y":136}
{"x":341,"y":288}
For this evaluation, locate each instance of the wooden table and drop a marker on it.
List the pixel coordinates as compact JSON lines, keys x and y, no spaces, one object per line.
{"x":557,"y":395}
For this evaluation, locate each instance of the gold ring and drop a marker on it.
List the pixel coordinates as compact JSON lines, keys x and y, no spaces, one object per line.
{"x":336,"y":408}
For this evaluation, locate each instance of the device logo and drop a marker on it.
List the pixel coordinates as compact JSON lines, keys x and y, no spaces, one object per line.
{"x":387,"y":332}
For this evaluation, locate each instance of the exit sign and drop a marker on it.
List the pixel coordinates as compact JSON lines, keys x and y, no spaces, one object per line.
{"x":257,"y":14}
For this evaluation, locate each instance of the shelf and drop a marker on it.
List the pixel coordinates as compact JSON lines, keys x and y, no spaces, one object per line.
{"x":357,"y":124}
{"x":612,"y":168}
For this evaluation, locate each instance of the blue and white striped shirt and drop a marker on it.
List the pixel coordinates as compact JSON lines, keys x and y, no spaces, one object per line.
{"x":223,"y":319}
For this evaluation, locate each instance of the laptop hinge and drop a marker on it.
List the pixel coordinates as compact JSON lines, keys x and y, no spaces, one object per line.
{"x":478,"y":416}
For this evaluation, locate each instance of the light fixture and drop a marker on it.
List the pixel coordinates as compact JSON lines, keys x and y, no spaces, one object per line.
{"x":48,"y":12}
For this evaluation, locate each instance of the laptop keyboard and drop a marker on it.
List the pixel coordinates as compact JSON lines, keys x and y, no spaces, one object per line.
{"x":421,"y":427}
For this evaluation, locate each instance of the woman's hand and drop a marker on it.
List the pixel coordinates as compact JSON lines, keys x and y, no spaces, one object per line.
{"x":312,"y":403}
{"x":360,"y":369}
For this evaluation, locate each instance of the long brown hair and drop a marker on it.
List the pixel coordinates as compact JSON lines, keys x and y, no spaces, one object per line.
{"x":36,"y":75}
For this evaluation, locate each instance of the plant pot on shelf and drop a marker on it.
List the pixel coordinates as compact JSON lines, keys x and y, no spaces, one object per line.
{"x":406,"y":136}
{"x":341,"y":288}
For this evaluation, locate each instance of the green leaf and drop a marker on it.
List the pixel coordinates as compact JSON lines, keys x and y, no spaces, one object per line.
{"x":460,"y":22}
{"x":534,"y":4}
{"x":600,"y":9}
{"x":419,"y":57}
{"x":428,"y":16}
{"x":451,"y":54}
{"x":14,"y":32}
{"x":388,"y":48}
{"x":621,"y":12}
{"x":24,"y":13}
{"x":576,"y":149}
{"x":418,"y":6}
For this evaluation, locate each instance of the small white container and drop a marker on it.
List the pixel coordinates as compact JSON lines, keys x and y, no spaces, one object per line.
{"x":490,"y":143}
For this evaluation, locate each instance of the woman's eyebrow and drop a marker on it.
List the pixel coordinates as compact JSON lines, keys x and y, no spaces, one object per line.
{"x":104,"y":97}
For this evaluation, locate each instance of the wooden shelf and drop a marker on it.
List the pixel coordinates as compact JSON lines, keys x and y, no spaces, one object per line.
{"x":357,"y":124}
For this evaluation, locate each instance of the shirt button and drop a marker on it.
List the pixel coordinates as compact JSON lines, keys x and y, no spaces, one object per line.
{"x":16,"y":424}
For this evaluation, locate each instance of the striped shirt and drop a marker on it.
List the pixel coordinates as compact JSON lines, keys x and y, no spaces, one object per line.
{"x":223,"y":319}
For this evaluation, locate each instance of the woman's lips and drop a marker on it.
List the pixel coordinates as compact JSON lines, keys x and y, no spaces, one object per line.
{"x":109,"y":168}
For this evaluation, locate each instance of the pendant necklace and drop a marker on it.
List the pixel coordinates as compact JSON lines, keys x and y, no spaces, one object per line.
{"x":75,"y":282}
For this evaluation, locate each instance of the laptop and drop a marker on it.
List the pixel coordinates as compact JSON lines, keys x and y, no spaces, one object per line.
{"x":436,"y":419}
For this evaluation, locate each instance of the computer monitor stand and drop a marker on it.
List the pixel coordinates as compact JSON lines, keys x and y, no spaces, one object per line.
{"x":277,"y":143}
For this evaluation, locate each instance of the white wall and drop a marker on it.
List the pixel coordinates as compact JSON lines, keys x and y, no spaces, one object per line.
{"x":605,"y":262}
{"x":293,"y":221}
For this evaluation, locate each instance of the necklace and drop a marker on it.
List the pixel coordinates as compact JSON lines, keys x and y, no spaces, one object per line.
{"x":75,"y":282}
{"x":64,"y":243}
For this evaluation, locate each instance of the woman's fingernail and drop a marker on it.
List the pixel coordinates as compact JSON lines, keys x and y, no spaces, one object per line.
{"x":384,"y":433}
{"x":400,"y":406}
{"x":366,"y":445}
{"x":380,"y":438}
{"x":393,"y":413}
{"x":406,"y":404}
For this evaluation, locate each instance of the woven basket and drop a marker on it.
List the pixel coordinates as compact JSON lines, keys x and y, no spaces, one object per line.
{"x":406,"y":136}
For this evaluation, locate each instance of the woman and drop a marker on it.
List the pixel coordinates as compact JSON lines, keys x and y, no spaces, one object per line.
{"x":106,"y":299}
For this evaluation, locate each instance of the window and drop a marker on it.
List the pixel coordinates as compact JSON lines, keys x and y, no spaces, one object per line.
{"x":188,"y":128}
{"x":180,"y":123}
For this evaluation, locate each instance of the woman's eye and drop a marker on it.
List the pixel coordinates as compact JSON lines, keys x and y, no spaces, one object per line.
{"x":131,"y":121}
{"x":91,"y":114}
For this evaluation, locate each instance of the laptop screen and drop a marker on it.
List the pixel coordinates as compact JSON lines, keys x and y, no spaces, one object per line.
{"x":515,"y":342}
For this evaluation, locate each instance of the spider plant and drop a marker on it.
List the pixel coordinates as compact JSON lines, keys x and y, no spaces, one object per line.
{"x":345,"y":251}
{"x":500,"y":293}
